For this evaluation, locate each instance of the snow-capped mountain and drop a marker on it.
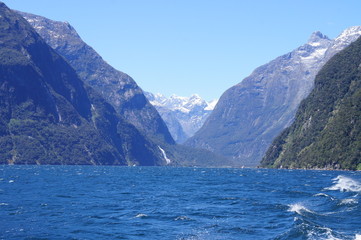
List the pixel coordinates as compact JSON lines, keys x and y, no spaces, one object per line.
{"x":183,"y":115}
{"x":252,"y":113}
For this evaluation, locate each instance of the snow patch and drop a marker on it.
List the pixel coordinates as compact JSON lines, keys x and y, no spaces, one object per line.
{"x":315,"y":44}
{"x":39,"y":28}
{"x":348,"y":36}
{"x":314,"y":56}
{"x":211,"y":105}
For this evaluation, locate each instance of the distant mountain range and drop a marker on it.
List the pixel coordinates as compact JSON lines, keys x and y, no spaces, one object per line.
{"x":252,"y":113}
{"x":184,"y":116}
{"x":326,"y":133}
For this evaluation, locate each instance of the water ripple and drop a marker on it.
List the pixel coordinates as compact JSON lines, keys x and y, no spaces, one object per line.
{"x":87,"y":202}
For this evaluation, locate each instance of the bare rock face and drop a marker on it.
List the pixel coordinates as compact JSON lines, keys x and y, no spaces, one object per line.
{"x":116,"y":87}
{"x":252,"y":113}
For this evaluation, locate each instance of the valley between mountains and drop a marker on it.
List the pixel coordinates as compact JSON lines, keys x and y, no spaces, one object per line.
{"x":61,"y":103}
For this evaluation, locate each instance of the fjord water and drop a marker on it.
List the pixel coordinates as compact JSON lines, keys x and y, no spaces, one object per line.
{"x":95,"y":202}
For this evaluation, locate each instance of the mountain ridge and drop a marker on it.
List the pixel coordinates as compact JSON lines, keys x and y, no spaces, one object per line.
{"x":326,"y":133}
{"x":252,"y":113}
{"x":49,"y":116}
{"x":116,"y":87}
{"x":125,"y":96}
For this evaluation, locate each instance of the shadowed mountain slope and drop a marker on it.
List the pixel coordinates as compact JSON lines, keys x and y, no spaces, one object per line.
{"x":116,"y":87}
{"x":48,"y":115}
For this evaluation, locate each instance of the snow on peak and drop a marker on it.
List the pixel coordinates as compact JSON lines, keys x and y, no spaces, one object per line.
{"x":183,"y":115}
{"x":180,"y":103}
{"x":351,"y":31}
{"x":321,"y":48}
{"x":348,"y":36}
{"x":317,"y":37}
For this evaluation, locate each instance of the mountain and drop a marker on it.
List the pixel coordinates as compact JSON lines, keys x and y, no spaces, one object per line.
{"x":123,"y":93}
{"x":326,"y":132}
{"x":116,"y":87}
{"x":184,"y":116}
{"x":49,"y":116}
{"x":252,"y":113}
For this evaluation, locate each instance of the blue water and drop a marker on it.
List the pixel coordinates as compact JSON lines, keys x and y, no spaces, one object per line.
{"x":85,"y":202}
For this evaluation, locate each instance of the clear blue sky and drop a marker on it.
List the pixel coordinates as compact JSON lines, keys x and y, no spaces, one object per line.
{"x":195,"y":46}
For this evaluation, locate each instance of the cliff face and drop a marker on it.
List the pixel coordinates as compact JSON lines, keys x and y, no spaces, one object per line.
{"x":327,"y":129}
{"x":252,"y":113}
{"x":48,"y":115}
{"x":116,"y":87}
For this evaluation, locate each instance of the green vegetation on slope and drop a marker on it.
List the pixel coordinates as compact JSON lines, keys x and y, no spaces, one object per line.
{"x":119,"y":89}
{"x":48,"y":115}
{"x":327,"y":129}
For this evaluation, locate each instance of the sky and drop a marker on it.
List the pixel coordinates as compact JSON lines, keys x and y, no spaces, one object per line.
{"x":184,"y":47}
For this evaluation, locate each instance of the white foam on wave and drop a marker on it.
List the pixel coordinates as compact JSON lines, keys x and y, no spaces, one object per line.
{"x":345,"y":184}
{"x":323,"y":195}
{"x":298,"y":208}
{"x":358,"y":237}
{"x":141,"y":215}
{"x":182,"y":218}
{"x":322,"y":233}
{"x":349,"y":201}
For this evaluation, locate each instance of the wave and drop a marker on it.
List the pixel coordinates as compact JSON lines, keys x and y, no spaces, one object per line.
{"x":336,"y":205}
{"x":323,"y":233}
{"x":141,"y":215}
{"x":182,"y":218}
{"x":358,"y":237}
{"x":321,"y":195}
{"x":305,"y":229}
{"x":324,"y":195}
{"x":299,"y":208}
{"x":345,"y":184}
{"x":349,"y":201}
